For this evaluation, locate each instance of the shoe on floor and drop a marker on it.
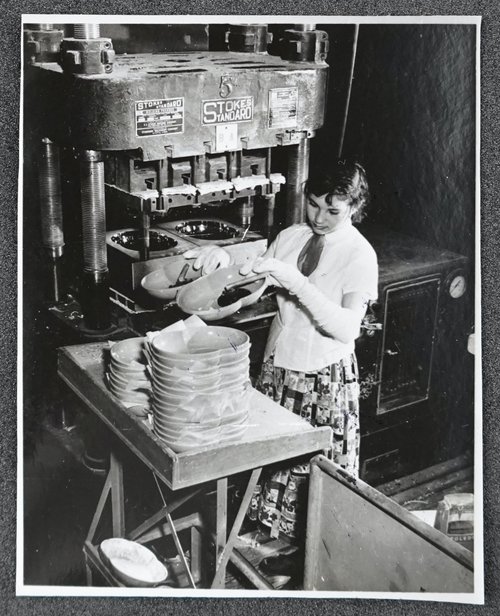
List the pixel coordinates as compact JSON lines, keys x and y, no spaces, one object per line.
{"x":278,"y":581}
{"x":281,"y":564}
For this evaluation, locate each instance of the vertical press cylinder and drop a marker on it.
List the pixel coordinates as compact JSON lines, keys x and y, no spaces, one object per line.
{"x":304,"y":27}
{"x":248,"y":38}
{"x":43,"y":27}
{"x":86,"y":31}
{"x":93,"y":213}
{"x":95,"y":302}
{"x":298,"y":171}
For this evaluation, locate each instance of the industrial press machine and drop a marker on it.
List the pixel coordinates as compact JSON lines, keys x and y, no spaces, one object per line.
{"x":157,"y":136}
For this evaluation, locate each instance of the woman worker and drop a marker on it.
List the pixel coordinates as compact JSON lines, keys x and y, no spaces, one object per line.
{"x":326,"y":272}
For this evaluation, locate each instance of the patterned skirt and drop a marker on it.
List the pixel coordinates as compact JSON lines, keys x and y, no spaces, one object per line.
{"x":328,"y":397}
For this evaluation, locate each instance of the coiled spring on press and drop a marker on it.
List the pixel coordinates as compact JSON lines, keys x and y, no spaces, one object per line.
{"x":49,"y":180}
{"x":93,"y":213}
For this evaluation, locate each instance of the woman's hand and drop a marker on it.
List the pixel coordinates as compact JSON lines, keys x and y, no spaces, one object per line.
{"x":208,"y":258}
{"x":282,"y":274}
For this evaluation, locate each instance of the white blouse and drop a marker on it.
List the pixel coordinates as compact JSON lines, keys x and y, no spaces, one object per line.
{"x":347,"y":264}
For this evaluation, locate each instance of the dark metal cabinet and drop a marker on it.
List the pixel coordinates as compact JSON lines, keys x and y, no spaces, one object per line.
{"x":412,"y":357}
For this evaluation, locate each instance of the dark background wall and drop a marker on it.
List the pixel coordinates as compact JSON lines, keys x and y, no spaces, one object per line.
{"x":411,"y":122}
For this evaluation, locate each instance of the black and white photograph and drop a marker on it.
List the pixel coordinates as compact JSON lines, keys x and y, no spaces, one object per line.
{"x":250,"y":346}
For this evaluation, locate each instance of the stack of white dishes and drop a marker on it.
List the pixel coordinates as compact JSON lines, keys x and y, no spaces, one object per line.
{"x":200,"y":386}
{"x":128,"y":375}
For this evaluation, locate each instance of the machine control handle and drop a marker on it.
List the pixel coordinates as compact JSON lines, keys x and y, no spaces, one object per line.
{"x":371,"y":327}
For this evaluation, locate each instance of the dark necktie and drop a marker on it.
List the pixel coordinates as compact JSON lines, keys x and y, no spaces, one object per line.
{"x":309,"y":255}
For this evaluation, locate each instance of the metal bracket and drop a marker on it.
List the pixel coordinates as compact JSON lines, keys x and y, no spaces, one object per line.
{"x":291,"y":137}
{"x":87,"y":56}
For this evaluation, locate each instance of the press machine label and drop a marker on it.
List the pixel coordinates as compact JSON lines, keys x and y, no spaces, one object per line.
{"x":227,"y":110}
{"x":159,"y":117}
{"x":283,"y":103}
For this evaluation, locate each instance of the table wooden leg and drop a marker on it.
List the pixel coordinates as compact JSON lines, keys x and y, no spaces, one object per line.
{"x":249,"y":571}
{"x":227,"y":548}
{"x":88,"y":572}
{"x":163,"y":530}
{"x":221,"y":526}
{"x":117,"y":498}
{"x":196,"y":553}
{"x":160,"y":515}
{"x":100,"y":508}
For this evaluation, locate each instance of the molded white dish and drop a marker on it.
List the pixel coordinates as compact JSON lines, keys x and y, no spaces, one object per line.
{"x":187,"y":381}
{"x":196,"y":432}
{"x":128,"y":353}
{"x":191,"y":443}
{"x":130,"y":383}
{"x":203,"y":343}
{"x":166,"y":387}
{"x":164,"y":283}
{"x":172,"y":426}
{"x":179,"y":368}
{"x":201,"y":296}
{"x":133,"y":399}
{"x":223,"y":406}
{"x":133,"y":563}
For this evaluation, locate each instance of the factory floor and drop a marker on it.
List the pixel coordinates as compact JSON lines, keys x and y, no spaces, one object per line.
{"x":60,"y":495}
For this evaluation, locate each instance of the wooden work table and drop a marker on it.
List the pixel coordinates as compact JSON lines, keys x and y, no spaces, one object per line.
{"x":274,"y":434}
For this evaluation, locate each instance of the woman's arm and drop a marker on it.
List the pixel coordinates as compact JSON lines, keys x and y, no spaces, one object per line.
{"x":338,"y":321}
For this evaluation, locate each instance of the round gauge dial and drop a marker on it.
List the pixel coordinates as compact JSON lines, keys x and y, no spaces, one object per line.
{"x":457,"y":285}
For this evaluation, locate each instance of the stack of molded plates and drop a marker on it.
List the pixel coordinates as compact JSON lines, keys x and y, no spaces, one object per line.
{"x":128,"y":376}
{"x":200,"y":386}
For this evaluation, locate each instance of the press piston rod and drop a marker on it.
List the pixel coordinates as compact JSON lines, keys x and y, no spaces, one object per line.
{"x":298,"y":170}
{"x":304,"y":27}
{"x":86,"y":31}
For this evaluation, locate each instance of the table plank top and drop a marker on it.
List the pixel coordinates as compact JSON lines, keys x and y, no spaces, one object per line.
{"x":273,"y":434}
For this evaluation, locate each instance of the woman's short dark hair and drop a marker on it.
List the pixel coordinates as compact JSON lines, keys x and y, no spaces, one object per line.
{"x":343,"y":178}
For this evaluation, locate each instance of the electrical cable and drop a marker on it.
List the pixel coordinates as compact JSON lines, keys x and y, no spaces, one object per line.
{"x":348,"y":99}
